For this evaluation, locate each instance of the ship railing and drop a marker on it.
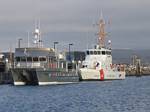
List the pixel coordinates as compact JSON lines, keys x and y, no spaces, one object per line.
{"x":29,"y":65}
{"x":118,"y":67}
{"x":63,"y":73}
{"x":62,"y":66}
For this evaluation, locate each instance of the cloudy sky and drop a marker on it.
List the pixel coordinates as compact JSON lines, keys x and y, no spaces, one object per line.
{"x":72,"y":21}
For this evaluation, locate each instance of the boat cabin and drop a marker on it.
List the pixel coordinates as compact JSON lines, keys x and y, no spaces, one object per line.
{"x":97,"y":56}
{"x":33,"y":57}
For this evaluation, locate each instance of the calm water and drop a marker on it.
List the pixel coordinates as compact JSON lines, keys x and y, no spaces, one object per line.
{"x":130,"y":95}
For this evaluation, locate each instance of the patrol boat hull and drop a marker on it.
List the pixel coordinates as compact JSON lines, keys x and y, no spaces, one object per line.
{"x":39,"y":76}
{"x":24,"y":76}
{"x":91,"y":74}
{"x":57,"y":76}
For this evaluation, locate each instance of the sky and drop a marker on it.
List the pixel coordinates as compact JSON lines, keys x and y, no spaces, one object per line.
{"x":74,"y":21}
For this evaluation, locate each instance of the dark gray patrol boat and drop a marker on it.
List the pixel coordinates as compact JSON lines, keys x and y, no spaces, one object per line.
{"x":41,"y":66}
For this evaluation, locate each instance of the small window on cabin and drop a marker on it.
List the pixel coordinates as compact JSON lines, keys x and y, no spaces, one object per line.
{"x":29,"y":59}
{"x":103,"y":52}
{"x":23,"y":58}
{"x":87,"y":52}
{"x":17,"y":58}
{"x":91,"y":52}
{"x":107,"y":52}
{"x":42,"y":59}
{"x":99,"y":52}
{"x":95,"y":52}
{"x":35,"y":59}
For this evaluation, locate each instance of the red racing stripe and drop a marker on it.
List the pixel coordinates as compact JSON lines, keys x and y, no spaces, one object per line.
{"x":101,"y":74}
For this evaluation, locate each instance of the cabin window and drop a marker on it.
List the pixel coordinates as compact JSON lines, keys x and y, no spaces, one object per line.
{"x":103,"y":52}
{"x":99,"y":52}
{"x":91,"y":52}
{"x":42,"y":59}
{"x":109,"y":53}
{"x":17,"y":58}
{"x":29,"y":59}
{"x":35,"y":59}
{"x":95,"y":52}
{"x":23,"y":58}
{"x":87,"y":52}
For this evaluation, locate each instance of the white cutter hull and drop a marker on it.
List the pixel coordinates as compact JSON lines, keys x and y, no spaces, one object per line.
{"x":92,"y":74}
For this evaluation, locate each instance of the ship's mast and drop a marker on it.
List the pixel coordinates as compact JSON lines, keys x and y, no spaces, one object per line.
{"x":101,"y":33}
{"x":10,"y":56}
{"x":37,"y":36}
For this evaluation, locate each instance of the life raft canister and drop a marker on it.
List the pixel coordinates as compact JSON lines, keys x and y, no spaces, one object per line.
{"x":101,"y":74}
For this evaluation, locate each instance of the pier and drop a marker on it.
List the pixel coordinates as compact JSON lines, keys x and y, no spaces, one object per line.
{"x":5,"y":65}
{"x":137,"y":68}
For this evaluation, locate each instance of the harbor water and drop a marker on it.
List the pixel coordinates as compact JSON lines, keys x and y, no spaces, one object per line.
{"x":129,"y":95}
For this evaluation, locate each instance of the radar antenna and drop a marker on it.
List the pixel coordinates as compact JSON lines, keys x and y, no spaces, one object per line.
{"x":37,"y":36}
{"x":101,"y":33}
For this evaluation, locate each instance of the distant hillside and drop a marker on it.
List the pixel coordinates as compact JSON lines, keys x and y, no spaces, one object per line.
{"x":125,"y":55}
{"x":119,"y":55}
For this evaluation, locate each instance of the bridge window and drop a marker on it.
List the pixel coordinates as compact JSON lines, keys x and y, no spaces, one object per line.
{"x":29,"y":59}
{"x":23,"y":58}
{"x":17,"y":58}
{"x":103,"y":52}
{"x":42,"y":59}
{"x":109,"y":53}
{"x":95,"y":52}
{"x":99,"y":52}
{"x":35,"y":59}
{"x":91,"y":52}
{"x":87,"y":52}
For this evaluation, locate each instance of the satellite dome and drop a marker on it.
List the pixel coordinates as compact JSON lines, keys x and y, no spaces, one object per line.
{"x":109,"y":41}
{"x":37,"y":31}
